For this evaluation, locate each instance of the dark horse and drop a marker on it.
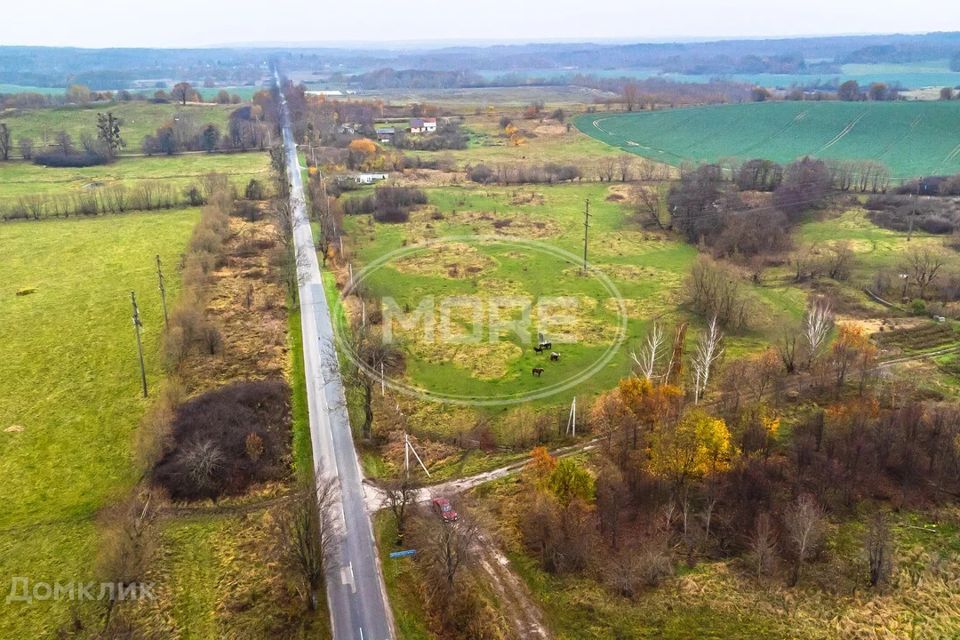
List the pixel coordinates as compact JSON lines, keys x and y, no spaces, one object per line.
{"x":554,"y":356}
{"x":543,"y":346}
{"x":537,"y":371}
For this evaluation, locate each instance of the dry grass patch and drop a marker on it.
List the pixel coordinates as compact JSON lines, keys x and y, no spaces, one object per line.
{"x":450,"y":260}
{"x":248,"y":307}
{"x":485,"y":223}
{"x":631,"y":243}
{"x":483,"y":361}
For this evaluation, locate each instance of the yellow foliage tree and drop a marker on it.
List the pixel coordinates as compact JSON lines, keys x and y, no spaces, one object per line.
{"x":651,"y":404}
{"x":363,"y":145}
{"x":852,"y":348}
{"x":697,"y":445}
{"x":541,"y":465}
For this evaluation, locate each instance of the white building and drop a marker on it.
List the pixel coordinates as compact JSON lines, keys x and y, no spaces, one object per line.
{"x":423,"y":125}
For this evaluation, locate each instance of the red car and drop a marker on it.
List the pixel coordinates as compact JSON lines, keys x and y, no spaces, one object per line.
{"x":442,"y":508}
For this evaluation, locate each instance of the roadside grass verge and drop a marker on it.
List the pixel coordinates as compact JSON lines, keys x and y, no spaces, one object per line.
{"x":402,"y":581}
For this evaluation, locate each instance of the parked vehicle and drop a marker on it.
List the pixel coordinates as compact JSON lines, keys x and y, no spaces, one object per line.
{"x":441,"y":506}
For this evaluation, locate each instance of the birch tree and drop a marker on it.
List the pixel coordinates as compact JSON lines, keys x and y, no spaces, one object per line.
{"x":649,"y":355}
{"x":709,"y":350}
{"x":817,"y":324}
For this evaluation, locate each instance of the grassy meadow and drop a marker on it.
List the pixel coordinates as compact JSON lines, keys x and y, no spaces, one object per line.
{"x":71,"y":398}
{"x":646,"y":268}
{"x":137,"y":119}
{"x":910,"y":138}
{"x":22,"y":179}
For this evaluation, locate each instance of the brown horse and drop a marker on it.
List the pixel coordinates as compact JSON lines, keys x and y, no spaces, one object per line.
{"x":537,"y":371}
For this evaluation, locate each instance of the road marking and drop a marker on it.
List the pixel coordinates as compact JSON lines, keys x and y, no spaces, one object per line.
{"x":346,"y":577}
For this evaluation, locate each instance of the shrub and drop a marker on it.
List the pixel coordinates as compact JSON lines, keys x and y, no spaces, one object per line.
{"x":209,"y":456}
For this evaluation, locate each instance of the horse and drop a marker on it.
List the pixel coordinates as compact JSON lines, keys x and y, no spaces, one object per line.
{"x":537,"y":371}
{"x":546,"y":345}
{"x":539,"y":349}
{"x":554,"y":356}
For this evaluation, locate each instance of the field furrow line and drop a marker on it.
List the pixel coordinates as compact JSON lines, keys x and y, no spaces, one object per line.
{"x":840,"y":136}
{"x":776,"y":134}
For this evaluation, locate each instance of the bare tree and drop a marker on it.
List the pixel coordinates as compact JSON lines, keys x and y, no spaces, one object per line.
{"x":204,"y":462}
{"x":709,"y":349}
{"x":308,"y":530}
{"x":369,"y":355}
{"x":26,"y":148}
{"x":787,"y":349}
{"x":650,"y":353}
{"x":607,"y":169}
{"x":624,"y":164}
{"x":923,"y":265}
{"x":444,"y":551}
{"x":839,"y":260}
{"x":400,"y":495}
{"x":5,"y":141}
{"x":631,"y":95}
{"x":647,"y":201}
{"x":611,"y":498}
{"x":763,"y":546}
{"x":804,"y":523}
{"x":817,"y":324}
{"x":128,"y":540}
{"x":879,"y":548}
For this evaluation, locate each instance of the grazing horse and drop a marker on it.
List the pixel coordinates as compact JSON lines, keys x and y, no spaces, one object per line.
{"x":545,"y":345}
{"x":537,"y":371}
{"x":539,"y":349}
{"x":554,"y":356}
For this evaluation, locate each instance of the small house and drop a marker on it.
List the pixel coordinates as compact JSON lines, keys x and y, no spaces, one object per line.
{"x":369,"y":178}
{"x":423,"y":125}
{"x":386,"y":134}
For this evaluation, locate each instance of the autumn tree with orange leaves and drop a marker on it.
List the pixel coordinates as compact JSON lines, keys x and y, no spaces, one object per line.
{"x":851,"y":350}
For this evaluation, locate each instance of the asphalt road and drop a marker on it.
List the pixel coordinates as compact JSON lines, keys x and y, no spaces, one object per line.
{"x":356,"y":594}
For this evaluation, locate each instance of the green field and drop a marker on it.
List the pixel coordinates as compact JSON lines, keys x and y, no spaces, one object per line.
{"x":137,"y":119}
{"x":911,"y":138}
{"x":71,"y":389}
{"x":19,"y":179}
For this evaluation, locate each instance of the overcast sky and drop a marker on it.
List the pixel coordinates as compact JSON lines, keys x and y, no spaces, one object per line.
{"x":186,"y":23}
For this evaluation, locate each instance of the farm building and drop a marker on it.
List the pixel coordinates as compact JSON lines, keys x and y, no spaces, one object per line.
{"x":386,"y":134}
{"x":423,"y":125}
{"x":369,"y":178}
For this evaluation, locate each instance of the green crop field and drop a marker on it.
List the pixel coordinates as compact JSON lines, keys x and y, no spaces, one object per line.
{"x":137,"y":119}
{"x":911,"y":138}
{"x":19,"y":179}
{"x":71,"y":388}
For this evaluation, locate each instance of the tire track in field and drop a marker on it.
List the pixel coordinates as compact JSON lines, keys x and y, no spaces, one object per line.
{"x":776,"y":134}
{"x":953,"y":155}
{"x":843,"y":132}
{"x":621,"y":141}
{"x":896,"y":142}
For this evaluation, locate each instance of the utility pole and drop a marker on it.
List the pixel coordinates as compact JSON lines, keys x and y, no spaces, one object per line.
{"x":136,"y":327}
{"x":407,"y":450}
{"x":163,"y":292}
{"x":586,"y":234}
